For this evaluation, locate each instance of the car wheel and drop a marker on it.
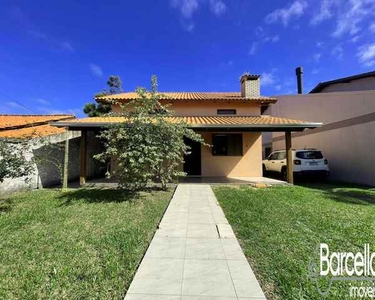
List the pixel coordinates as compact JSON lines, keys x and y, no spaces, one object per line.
{"x":264,"y":170}
{"x":284,"y":174}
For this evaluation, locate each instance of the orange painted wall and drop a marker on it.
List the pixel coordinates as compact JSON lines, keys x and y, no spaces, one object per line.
{"x":209,"y":108}
{"x":248,"y":165}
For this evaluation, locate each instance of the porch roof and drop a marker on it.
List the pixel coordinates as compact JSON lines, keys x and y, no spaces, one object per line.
{"x":241,"y":123}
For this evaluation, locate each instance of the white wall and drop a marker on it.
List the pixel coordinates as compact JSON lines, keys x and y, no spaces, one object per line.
{"x":350,"y":150}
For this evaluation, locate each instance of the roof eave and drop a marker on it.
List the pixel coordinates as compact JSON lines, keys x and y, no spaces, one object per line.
{"x":260,"y":127}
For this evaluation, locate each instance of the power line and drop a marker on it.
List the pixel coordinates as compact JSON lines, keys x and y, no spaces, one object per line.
{"x":19,"y":103}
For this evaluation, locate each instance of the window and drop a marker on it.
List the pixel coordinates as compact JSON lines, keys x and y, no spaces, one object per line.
{"x":227,"y":144}
{"x":281,"y":156}
{"x":226,"y":112}
{"x":309,"y":155}
{"x":273,"y":156}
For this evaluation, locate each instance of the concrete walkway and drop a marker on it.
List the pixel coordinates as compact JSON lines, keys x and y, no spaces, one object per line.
{"x":194,"y":254}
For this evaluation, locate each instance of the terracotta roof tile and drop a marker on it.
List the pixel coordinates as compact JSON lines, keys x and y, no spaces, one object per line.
{"x":18,"y":121}
{"x":190,"y":96}
{"x":30,"y":126}
{"x":195,"y":121}
{"x":31,"y":132}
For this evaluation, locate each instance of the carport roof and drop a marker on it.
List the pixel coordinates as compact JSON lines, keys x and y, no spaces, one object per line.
{"x":242,"y":123}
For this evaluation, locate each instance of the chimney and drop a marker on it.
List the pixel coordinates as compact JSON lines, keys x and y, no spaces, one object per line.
{"x":250,"y":85}
{"x":299,"y":72}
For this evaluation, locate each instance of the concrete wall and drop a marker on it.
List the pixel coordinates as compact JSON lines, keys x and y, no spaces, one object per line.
{"x":347,"y":138}
{"x":46,"y":173}
{"x":248,"y":165}
{"x":355,"y":85}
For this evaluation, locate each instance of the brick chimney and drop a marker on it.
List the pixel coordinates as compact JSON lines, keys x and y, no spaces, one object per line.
{"x":250,"y":85}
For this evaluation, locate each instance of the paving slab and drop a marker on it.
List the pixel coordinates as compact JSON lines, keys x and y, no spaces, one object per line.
{"x":194,"y":254}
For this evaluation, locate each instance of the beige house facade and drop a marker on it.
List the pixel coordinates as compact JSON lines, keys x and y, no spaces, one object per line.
{"x":231,"y":122}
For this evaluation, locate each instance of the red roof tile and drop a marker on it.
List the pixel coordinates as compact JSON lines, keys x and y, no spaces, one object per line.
{"x":190,"y":96}
{"x":30,"y":126}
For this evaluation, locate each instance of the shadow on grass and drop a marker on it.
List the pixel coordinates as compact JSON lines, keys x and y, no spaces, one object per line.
{"x":344,"y":192}
{"x":100,"y":195}
{"x":5,"y":205}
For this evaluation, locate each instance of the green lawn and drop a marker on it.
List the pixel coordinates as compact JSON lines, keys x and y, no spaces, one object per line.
{"x":83,"y":244}
{"x":280,"y":228}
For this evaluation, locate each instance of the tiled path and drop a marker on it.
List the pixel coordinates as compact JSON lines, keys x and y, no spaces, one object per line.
{"x":194,"y":254}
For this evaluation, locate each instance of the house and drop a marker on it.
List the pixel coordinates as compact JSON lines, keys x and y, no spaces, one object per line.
{"x":359,"y":82}
{"x":346,"y":106}
{"x":45,"y":145}
{"x":231,"y":122}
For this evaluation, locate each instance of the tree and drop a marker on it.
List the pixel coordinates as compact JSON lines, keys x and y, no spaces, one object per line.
{"x":95,"y":110}
{"x":13,"y":162}
{"x":149,"y":144}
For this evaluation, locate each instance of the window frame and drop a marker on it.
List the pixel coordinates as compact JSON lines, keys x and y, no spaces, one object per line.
{"x":227,"y":146}
{"x":226,"y":112}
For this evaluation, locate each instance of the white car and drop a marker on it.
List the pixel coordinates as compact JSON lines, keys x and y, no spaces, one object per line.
{"x":305,"y":161}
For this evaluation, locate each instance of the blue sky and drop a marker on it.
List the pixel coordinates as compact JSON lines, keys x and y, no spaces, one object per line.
{"x":55,"y":55}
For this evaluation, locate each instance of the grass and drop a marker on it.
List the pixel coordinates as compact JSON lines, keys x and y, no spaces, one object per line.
{"x":280,"y":228}
{"x":83,"y":244}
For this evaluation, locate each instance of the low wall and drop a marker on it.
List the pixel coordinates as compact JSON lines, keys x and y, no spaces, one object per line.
{"x":46,"y":173}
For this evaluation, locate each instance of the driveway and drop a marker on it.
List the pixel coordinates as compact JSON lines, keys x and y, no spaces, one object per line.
{"x":194,"y":254}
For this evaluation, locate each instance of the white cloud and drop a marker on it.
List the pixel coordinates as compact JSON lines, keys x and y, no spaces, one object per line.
{"x":355,"y":39}
{"x":355,"y":11}
{"x":366,"y":55}
{"x":186,"y":7}
{"x":38,"y":34}
{"x":267,"y":78}
{"x":372,"y":27}
{"x":96,"y":70}
{"x":349,"y":15}
{"x":324,"y":12}
{"x":278,"y":87}
{"x":338,"y":52}
{"x":284,"y":15}
{"x":253,"y":48}
{"x":259,"y":31}
{"x":67,"y":46}
{"x":315,"y":71}
{"x":319,"y":44}
{"x":272,"y":39}
{"x":262,"y":38}
{"x":218,"y":7}
{"x":317,"y":57}
{"x":187,"y":25}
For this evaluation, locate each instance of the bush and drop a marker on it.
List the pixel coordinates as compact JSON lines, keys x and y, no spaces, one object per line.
{"x":148,"y":144}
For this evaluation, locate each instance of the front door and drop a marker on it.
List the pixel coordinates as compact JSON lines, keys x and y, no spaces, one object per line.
{"x":192,"y":165}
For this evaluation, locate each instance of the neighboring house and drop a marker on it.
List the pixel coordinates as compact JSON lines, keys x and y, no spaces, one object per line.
{"x":360,"y":82}
{"x":346,"y":106}
{"x":44,"y":142}
{"x":231,"y":122}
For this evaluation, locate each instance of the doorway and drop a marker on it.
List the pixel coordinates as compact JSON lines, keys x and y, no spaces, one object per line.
{"x":192,"y":165}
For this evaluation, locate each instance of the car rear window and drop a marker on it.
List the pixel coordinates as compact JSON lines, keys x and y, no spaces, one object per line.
{"x":309,"y":155}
